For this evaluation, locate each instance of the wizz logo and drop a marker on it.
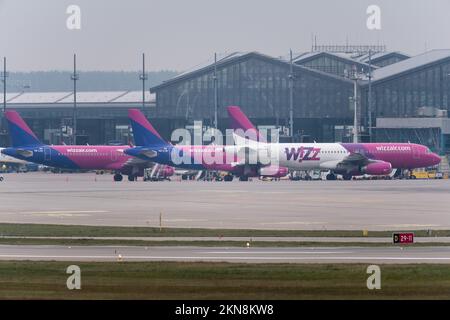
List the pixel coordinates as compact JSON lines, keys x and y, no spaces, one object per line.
{"x":302,"y":154}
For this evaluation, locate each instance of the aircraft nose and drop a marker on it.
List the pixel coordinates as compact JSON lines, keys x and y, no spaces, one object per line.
{"x":435,"y":159}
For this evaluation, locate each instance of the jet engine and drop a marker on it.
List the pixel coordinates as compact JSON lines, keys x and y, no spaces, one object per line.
{"x":377,"y":168}
{"x":273,"y":171}
{"x":167,"y":171}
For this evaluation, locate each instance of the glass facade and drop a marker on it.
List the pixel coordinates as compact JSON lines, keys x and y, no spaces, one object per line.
{"x":432,"y":137}
{"x":333,"y":65}
{"x":96,"y":123}
{"x":402,"y":95}
{"x":261,"y":87}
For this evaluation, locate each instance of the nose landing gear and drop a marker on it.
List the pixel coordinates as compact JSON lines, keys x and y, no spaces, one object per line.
{"x":347,"y":177}
{"x":118,"y":177}
{"x":228,"y":177}
{"x":331,"y":176}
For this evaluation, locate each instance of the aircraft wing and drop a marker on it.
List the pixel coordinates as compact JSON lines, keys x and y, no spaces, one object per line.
{"x":148,"y":153}
{"x":355,"y":159}
{"x":352,"y":161}
{"x":140,"y":163}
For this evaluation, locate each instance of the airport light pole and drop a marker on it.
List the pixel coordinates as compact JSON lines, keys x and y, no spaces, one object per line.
{"x":5,"y":75}
{"x":143,"y":77}
{"x":291,"y":97}
{"x":216,"y":95}
{"x":369,"y":96}
{"x":355,"y":77}
{"x":74,"y":77}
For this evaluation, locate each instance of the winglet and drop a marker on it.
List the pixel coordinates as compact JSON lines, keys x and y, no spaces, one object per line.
{"x":20,"y":134}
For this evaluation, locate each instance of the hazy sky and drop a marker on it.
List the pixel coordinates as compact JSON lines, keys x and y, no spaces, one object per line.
{"x":179,"y":34}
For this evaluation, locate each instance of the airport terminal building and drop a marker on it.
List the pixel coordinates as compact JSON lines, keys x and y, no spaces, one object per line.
{"x":319,"y":85}
{"x":101,"y":116}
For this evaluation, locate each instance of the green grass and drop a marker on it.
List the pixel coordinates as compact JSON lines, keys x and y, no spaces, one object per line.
{"x":183,"y":280}
{"x":48,"y":230}
{"x":201,"y":243}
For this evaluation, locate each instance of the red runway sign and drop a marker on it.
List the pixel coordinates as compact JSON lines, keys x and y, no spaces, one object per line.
{"x":403,"y":238}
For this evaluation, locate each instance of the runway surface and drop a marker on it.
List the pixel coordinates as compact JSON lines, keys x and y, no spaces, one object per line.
{"x":250,"y":239}
{"x":247,"y":255}
{"x":90,"y":199}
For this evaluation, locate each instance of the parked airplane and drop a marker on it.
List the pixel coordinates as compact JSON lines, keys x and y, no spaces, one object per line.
{"x":26,"y":146}
{"x":347,"y":159}
{"x":150,"y":146}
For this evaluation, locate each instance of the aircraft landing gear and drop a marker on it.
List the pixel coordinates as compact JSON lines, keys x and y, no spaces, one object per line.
{"x":228,"y":177}
{"x":118,"y":177}
{"x":132,"y":177}
{"x":243,"y":178}
{"x":347,"y":177}
{"x":331,"y":176}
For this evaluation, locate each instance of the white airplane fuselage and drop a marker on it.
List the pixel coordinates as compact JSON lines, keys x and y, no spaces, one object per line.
{"x":340,"y":157}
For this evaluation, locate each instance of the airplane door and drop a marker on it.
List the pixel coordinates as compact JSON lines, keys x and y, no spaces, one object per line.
{"x":416,"y":153}
{"x":113,"y":155}
{"x":47,"y":154}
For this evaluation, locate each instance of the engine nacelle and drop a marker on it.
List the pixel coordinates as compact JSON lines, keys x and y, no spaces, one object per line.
{"x":378,"y":168}
{"x":168,"y":171}
{"x":273,"y":171}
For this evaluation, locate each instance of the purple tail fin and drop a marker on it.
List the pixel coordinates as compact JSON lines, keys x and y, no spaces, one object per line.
{"x":240,"y":121}
{"x":143,"y":132}
{"x":20,"y":134}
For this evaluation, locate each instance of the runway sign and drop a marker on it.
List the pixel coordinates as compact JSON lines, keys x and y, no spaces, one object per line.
{"x":403,"y":238}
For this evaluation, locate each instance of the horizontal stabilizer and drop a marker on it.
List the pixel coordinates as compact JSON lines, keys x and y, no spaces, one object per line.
{"x":24,"y":153}
{"x":149,"y":153}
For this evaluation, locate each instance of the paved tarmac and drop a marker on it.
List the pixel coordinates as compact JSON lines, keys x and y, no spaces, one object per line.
{"x":247,"y":255}
{"x":89,"y":199}
{"x":250,"y":239}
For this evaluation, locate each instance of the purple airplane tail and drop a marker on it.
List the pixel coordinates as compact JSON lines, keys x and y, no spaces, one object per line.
{"x":144,"y":133}
{"x":240,"y":121}
{"x":20,"y":134}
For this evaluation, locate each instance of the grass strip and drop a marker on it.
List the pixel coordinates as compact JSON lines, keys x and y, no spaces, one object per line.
{"x":188,"y":280}
{"x":201,"y":243}
{"x":51,"y":230}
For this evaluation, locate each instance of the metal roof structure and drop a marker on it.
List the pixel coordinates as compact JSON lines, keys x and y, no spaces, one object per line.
{"x":63,"y":98}
{"x":382,"y":55}
{"x":9,"y":96}
{"x":111,"y":98}
{"x":221,"y":58}
{"x":340,"y":56}
{"x":135,"y":96}
{"x":237,"y":57}
{"x":410,"y":64}
{"x":38,"y":97}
